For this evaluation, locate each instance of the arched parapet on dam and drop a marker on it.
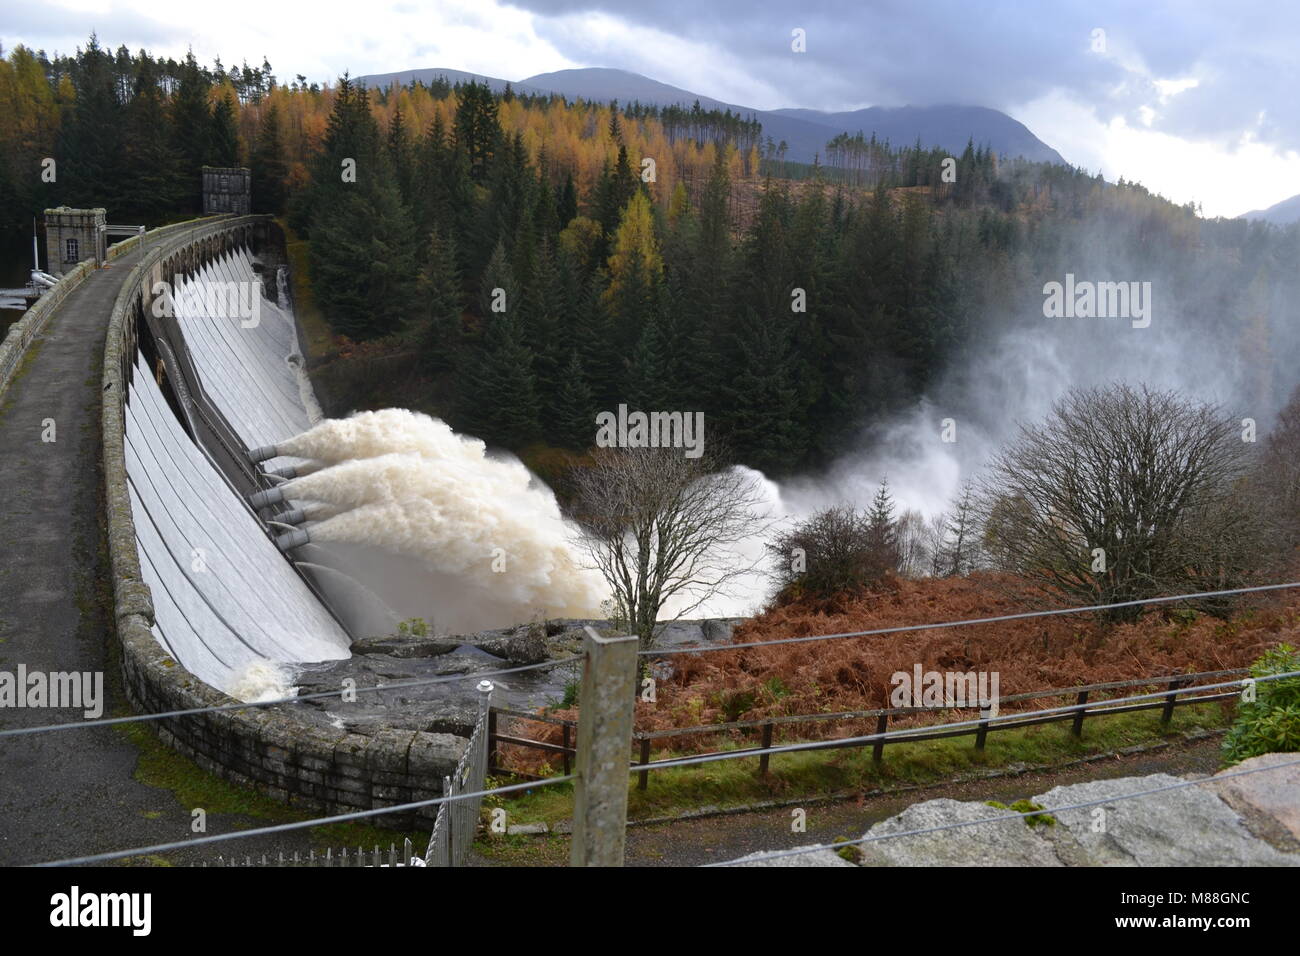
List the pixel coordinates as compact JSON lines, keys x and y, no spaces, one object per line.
{"x":181,"y":435}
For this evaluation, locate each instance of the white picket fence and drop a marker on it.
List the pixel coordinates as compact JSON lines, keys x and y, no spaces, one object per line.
{"x":457,"y":820}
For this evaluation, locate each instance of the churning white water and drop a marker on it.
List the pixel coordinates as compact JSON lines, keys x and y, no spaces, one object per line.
{"x":261,"y":680}
{"x":472,"y":541}
{"x":388,"y":430}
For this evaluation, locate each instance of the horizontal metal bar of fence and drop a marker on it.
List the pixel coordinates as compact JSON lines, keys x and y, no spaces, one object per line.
{"x":989,"y":724}
{"x":760,"y":723}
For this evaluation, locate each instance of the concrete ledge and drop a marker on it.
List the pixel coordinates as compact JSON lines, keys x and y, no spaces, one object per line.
{"x":266,"y":749}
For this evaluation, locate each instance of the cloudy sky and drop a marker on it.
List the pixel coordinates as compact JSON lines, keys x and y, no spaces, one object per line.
{"x":1198,"y":101}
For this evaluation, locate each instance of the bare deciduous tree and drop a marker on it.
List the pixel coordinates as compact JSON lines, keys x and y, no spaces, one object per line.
{"x":913,"y":556}
{"x":1122,"y":494}
{"x":660,"y":525}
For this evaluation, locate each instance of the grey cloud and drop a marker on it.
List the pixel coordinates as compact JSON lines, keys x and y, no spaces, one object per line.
{"x":1000,"y":54}
{"x":33,"y":26}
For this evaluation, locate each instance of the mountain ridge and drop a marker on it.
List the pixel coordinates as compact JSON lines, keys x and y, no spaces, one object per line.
{"x":805,"y":131}
{"x":1280,"y":213}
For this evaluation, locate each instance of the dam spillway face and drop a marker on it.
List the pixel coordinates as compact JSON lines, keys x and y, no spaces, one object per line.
{"x":228,"y":606}
{"x":243,"y":361}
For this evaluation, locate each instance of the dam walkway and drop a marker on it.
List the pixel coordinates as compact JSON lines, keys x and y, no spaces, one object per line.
{"x":75,"y":792}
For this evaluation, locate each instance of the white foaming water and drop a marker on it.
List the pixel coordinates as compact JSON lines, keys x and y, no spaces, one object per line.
{"x":489,"y":544}
{"x":371,"y":434}
{"x":262,"y":680}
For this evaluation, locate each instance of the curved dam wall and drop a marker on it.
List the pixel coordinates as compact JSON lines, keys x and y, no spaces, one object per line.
{"x":201,"y":592}
{"x":227,"y":605}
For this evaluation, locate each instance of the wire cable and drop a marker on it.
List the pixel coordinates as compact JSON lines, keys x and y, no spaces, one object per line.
{"x":963,"y":623}
{"x":399,"y":685}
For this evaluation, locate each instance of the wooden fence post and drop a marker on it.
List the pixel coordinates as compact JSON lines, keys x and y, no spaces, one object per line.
{"x":767,"y":742}
{"x":605,"y":710}
{"x":878,"y":748}
{"x":1168,"y":712}
{"x":1077,"y":729}
{"x":643,"y":778}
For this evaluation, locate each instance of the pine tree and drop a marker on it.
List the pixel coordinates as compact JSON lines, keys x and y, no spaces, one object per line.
{"x":401,"y":156}
{"x":882,"y":529}
{"x":567,"y":206}
{"x":225,"y":150}
{"x":647,"y":368}
{"x":546,"y":214}
{"x":269,"y":170}
{"x":91,"y":140}
{"x":153,"y":187}
{"x":762,"y":410}
{"x":957,"y":554}
{"x":192,"y":128}
{"x":545,"y":306}
{"x":443,"y":191}
{"x":615,"y":189}
{"x":363,"y":252}
{"x":439,"y":288}
{"x":498,"y":291}
{"x":593,"y":335}
{"x":478,"y":131}
{"x":497,"y":393}
{"x":572,"y":422}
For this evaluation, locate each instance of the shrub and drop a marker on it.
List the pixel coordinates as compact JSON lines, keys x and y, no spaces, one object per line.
{"x":1270,"y":724}
{"x":415,"y":627}
{"x":836,"y":551}
{"x":1123,"y":494}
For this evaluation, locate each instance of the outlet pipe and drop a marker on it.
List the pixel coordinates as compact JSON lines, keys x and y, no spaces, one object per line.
{"x":263,"y":499}
{"x":292,"y":539}
{"x":294,"y":516}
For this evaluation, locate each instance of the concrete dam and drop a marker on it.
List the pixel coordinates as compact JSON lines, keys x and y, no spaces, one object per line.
{"x":130,"y":394}
{"x":382,"y":517}
{"x":227,"y":605}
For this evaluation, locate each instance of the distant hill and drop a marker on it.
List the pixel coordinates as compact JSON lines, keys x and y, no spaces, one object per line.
{"x":379,"y":81}
{"x":804,"y":131}
{"x":949,"y":127}
{"x":1280,"y":214}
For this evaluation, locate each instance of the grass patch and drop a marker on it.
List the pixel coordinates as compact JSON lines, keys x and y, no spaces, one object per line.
{"x":160,"y":766}
{"x":521,"y":850}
